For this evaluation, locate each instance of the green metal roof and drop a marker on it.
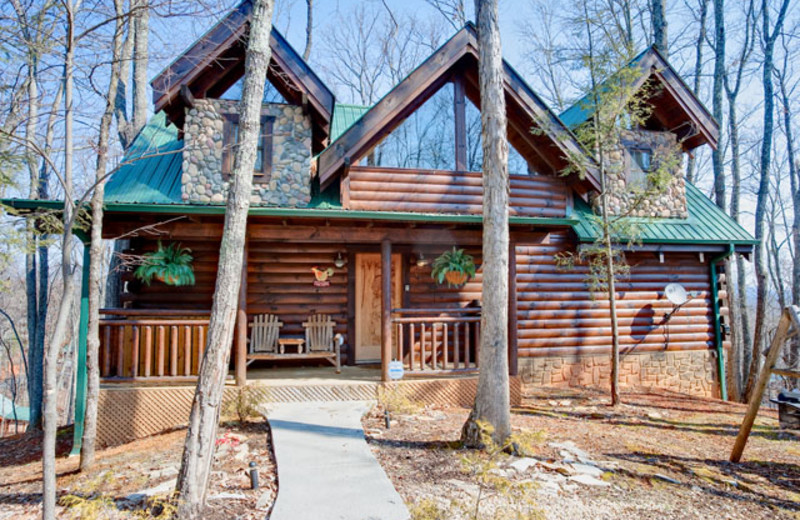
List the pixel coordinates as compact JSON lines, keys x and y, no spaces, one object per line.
{"x":707,"y":224}
{"x":23,"y":413}
{"x":582,"y":109}
{"x":343,"y":118}
{"x":151,"y":171}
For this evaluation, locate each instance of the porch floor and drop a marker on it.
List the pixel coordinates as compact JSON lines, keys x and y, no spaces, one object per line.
{"x":296,"y":376}
{"x":326,"y":375}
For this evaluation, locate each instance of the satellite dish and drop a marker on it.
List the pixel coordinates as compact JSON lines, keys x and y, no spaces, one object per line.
{"x":676,"y":293}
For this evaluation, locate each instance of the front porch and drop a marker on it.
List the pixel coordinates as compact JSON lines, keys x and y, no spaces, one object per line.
{"x":165,"y":347}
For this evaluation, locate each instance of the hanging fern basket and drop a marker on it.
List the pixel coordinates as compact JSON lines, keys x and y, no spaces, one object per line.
{"x":168,"y":279}
{"x":454,"y":267}
{"x":170,"y":265}
{"x":456,"y":278}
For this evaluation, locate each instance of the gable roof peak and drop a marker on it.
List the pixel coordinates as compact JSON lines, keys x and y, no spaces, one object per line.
{"x":676,"y":107}
{"x":213,"y":63}
{"x":456,"y":57}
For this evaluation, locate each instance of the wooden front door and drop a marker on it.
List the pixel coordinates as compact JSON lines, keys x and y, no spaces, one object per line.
{"x":368,"y":304}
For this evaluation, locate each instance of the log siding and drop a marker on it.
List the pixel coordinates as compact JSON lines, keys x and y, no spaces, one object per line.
{"x":558,"y":315}
{"x":372,"y":188}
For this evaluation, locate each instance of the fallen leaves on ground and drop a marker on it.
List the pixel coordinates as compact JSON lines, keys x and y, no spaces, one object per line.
{"x":129,"y":480}
{"x":661,"y":455}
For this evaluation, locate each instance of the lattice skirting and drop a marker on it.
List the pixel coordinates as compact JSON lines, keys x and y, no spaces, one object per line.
{"x":130,"y":413}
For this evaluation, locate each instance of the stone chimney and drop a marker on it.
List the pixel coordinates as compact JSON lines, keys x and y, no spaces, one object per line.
{"x":288,"y":181}
{"x":625,"y":174}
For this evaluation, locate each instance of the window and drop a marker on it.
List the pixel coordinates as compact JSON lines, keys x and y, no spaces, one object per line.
{"x":271,"y":94}
{"x":424,"y":140}
{"x":230,"y":139}
{"x":516,"y":162}
{"x":640,"y":164}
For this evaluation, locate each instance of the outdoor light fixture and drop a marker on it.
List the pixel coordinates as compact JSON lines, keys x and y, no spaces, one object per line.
{"x":421,"y":260}
{"x":340,"y":261}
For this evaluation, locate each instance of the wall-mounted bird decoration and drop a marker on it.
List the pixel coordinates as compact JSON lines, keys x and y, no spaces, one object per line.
{"x":322,"y":276}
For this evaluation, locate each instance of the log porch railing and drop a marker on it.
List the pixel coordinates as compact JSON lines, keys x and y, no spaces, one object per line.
{"x":151,"y":345}
{"x":437,"y":340}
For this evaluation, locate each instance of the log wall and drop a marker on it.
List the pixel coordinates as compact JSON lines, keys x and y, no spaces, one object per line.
{"x":426,"y":293}
{"x":381,"y":189}
{"x":280,"y":281}
{"x":559,"y":315}
{"x":160,"y":296}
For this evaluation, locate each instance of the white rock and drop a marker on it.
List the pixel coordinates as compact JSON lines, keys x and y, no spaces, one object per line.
{"x":587,"y":469}
{"x":165,"y":488}
{"x":166,"y":472}
{"x":242,"y":453}
{"x":587,"y":480}
{"x":264,"y":499}
{"x":228,"y":496}
{"x":467,"y":487}
{"x":522,"y":465}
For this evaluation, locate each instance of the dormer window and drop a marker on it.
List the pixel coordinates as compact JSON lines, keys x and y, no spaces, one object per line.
{"x":640,"y":163}
{"x":263,"y":165}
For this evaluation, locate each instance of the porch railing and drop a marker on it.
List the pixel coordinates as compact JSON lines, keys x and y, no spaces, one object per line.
{"x":437,"y":340}
{"x":153,"y":345}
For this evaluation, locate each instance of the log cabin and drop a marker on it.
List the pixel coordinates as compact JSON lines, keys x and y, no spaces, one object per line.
{"x":371,"y":195}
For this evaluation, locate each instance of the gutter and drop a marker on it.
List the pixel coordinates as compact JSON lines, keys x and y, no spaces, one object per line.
{"x":276,"y":211}
{"x":718,"y":322}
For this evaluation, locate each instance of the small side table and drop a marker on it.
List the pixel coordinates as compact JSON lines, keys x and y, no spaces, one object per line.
{"x":291,"y":342}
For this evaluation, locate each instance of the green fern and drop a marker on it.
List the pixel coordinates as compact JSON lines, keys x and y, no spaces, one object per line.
{"x":171,"y":265}
{"x":456,"y":261}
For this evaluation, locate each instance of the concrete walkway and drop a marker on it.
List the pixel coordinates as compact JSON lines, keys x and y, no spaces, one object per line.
{"x":325,"y":468}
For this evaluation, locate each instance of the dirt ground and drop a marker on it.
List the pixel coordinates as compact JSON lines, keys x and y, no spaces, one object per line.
{"x":659,"y":456}
{"x":131,"y":481}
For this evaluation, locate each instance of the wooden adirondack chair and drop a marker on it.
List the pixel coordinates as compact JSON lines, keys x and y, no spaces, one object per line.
{"x":263,"y":337}
{"x":320,"y":341}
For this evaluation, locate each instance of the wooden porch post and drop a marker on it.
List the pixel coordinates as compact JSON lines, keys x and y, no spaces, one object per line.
{"x":241,"y":326}
{"x":513,"y":363}
{"x":386,"y":308}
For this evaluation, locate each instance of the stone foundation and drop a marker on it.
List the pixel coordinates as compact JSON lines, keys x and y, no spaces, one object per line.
{"x":687,"y":372}
{"x":289,"y":182}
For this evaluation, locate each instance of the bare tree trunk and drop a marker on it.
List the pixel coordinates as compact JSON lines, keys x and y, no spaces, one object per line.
{"x":141,"y":57}
{"x":198,"y":452}
{"x":135,"y":49}
{"x":794,"y":177}
{"x":309,"y":28}
{"x":717,"y":102}
{"x":658,"y":20}
{"x":61,"y":334}
{"x":769,"y":36}
{"x":492,"y":402}
{"x":741,"y":354}
{"x":96,"y":256}
{"x":698,"y":72}
{"x":31,"y":34}
{"x":44,"y":250}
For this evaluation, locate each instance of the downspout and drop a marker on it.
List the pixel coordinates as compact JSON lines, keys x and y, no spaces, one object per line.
{"x":80,"y":372}
{"x":723,"y":388}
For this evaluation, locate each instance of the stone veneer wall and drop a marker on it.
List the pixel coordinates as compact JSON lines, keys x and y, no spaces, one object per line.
{"x":202,"y":181}
{"x":691,"y":372}
{"x":669,"y":204}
